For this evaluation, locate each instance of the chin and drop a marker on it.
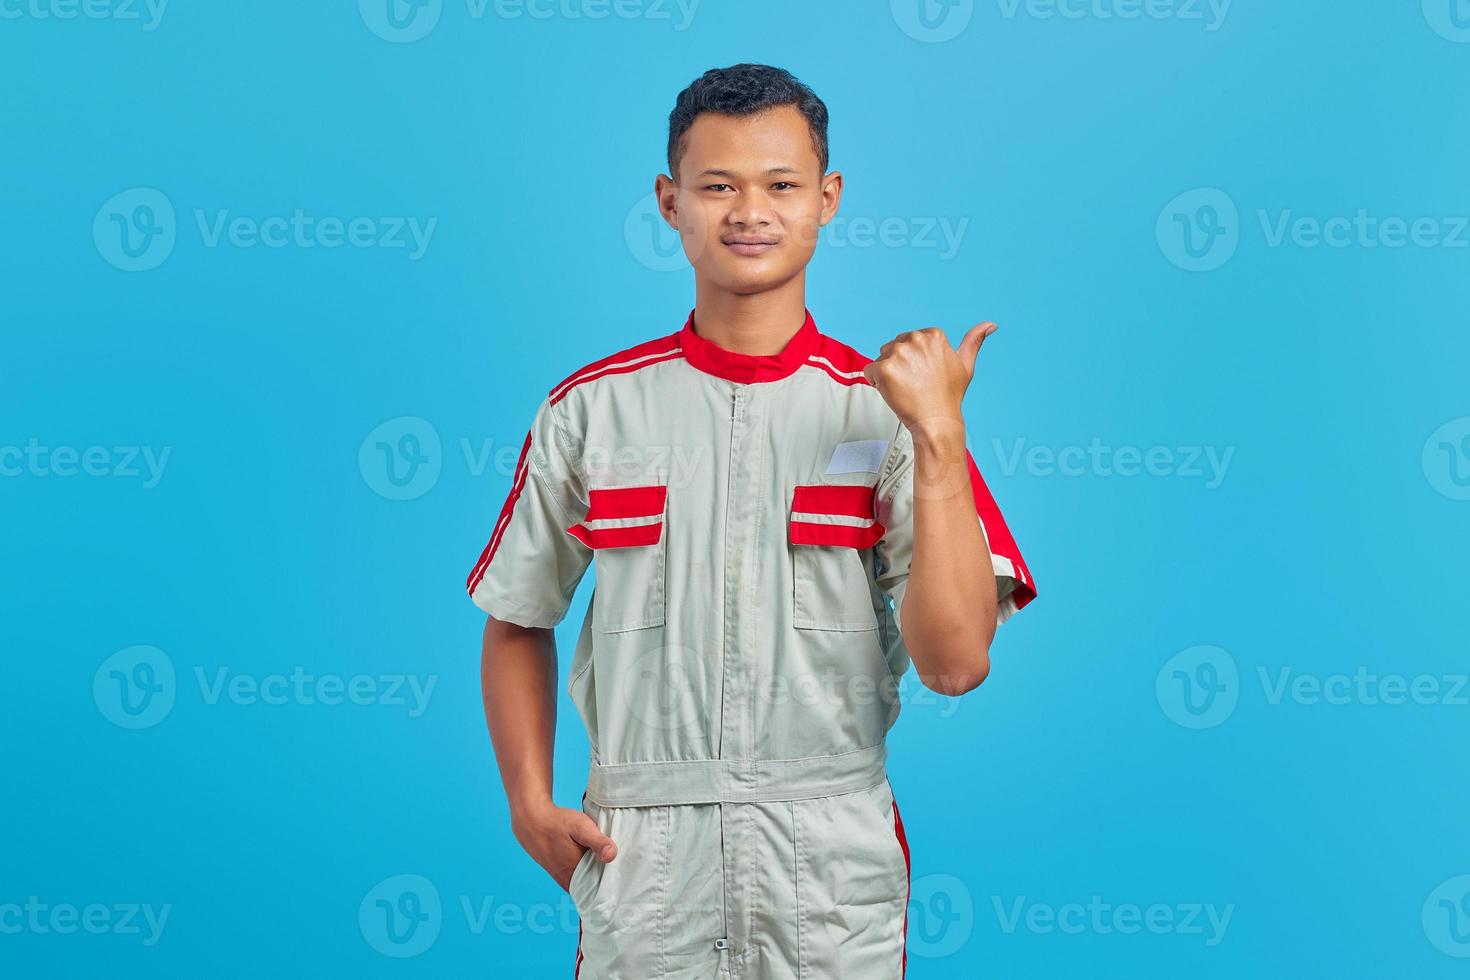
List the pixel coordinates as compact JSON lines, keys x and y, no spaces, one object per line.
{"x":753,"y":277}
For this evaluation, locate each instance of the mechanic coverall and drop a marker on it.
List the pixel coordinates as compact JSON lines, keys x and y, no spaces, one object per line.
{"x":750,"y":518}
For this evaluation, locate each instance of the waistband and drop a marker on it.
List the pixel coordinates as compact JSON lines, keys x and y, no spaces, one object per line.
{"x":736,"y":780}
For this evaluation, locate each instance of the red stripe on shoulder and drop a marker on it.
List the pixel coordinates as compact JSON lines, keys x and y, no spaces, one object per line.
{"x":630,"y":359}
{"x":841,"y":363}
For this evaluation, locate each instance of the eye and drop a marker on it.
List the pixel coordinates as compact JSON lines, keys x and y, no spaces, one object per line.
{"x":715,"y":187}
{"x":783,"y":184}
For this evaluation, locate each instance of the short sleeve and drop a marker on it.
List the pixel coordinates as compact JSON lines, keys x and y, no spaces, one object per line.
{"x":530,"y":567}
{"x":895,"y":511}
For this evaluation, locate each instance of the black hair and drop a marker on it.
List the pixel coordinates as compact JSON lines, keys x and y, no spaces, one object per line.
{"x":743,"y":90}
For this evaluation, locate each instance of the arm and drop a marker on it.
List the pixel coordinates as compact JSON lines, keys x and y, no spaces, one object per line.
{"x":949,"y":604}
{"x":518,"y":683}
{"x":949,"y":607}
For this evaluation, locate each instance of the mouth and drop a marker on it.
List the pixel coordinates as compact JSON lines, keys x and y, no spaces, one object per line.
{"x":749,"y":244}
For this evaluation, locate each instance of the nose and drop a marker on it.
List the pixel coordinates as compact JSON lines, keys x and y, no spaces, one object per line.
{"x":752,"y":210}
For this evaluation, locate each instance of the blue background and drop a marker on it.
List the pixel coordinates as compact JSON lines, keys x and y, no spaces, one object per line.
{"x":1086,"y":766}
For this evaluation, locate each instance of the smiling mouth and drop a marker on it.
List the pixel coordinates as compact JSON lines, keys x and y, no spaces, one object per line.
{"x":750,"y":247}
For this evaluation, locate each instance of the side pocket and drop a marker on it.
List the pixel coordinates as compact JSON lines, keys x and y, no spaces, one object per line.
{"x":831,"y":530}
{"x":624,"y":527}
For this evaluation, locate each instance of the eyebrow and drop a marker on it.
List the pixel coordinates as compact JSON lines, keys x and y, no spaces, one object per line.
{"x":726,"y":173}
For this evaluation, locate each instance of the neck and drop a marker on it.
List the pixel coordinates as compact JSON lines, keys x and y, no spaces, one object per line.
{"x":756,"y":323}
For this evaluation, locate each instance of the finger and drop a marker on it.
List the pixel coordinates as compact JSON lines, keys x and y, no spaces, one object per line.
{"x":970,"y":346}
{"x":586,"y":832}
{"x":871,"y":371}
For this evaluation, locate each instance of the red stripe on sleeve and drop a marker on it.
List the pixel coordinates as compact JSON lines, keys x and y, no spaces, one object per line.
{"x":478,"y":572}
{"x":1001,"y":542}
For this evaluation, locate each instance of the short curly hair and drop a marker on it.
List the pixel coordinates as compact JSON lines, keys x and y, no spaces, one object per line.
{"x":743,"y":90}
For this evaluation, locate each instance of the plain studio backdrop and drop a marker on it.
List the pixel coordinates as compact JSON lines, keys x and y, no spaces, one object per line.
{"x":284,"y":282}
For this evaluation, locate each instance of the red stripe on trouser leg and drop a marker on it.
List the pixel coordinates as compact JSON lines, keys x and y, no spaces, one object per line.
{"x":577,"y":969}
{"x":903,"y":842}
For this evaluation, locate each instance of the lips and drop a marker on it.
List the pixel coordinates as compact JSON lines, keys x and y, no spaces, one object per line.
{"x":749,"y":246}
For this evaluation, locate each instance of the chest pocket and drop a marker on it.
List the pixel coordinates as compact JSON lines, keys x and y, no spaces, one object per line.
{"x":831,"y":530}
{"x":624,"y":527}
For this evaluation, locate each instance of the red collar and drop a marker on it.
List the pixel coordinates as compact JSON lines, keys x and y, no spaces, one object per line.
{"x":711,"y":358}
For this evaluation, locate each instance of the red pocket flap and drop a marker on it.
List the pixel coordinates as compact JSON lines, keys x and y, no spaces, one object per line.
{"x":811,"y":504}
{"x":619,"y":505}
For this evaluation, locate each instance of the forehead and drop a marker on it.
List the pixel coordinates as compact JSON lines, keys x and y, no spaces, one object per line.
{"x":776,"y":137}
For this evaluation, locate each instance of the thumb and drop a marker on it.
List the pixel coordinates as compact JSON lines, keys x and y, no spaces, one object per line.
{"x":969,"y":347}
{"x":586,"y":832}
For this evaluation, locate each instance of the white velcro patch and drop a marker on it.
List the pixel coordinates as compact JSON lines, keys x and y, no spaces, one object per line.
{"x":863,"y":456}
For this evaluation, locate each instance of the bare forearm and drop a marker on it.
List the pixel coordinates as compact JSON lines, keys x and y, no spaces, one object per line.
{"x":518,"y":678}
{"x":949,"y":604}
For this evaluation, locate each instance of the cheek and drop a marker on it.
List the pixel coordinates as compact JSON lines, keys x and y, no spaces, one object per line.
{"x":698,"y":224}
{"x":803,"y":228}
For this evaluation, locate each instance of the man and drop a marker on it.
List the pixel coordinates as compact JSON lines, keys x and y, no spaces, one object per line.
{"x":752,"y":492}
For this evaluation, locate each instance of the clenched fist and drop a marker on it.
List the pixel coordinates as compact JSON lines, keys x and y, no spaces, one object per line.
{"x":923,"y":378}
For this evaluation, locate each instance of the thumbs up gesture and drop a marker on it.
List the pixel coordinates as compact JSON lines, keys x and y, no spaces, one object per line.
{"x":922,"y":377}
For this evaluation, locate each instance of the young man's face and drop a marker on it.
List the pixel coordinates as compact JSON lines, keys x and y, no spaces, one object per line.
{"x":749,"y":198}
